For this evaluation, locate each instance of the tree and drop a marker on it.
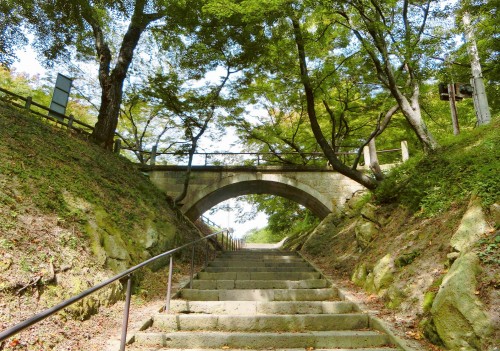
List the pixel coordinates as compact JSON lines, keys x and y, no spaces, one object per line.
{"x":281,"y":129}
{"x":144,"y":126}
{"x":393,"y":35}
{"x":11,"y":36}
{"x":80,"y":29}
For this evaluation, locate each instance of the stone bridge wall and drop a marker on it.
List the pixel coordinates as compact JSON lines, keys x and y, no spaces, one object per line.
{"x":320,"y":189}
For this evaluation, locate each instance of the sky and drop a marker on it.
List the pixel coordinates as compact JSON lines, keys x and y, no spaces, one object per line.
{"x":29,"y":64}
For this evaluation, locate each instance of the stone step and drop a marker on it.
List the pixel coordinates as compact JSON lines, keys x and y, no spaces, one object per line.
{"x":262,"y":258}
{"x":261,"y":307}
{"x":259,"y":275}
{"x":260,"y":252}
{"x":155,"y":348}
{"x":263,"y":323}
{"x":260,"y":284}
{"x":260,"y":294}
{"x":258,"y":269}
{"x":264,"y":340}
{"x":256,"y":264}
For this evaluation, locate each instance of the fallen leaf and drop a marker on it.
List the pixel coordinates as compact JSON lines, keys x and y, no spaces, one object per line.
{"x":14,"y":343}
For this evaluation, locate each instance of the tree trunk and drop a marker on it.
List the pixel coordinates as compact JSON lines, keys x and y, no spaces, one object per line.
{"x":112,"y":82}
{"x":355,"y":175}
{"x":107,"y":120}
{"x":413,"y":115}
{"x":374,"y":164}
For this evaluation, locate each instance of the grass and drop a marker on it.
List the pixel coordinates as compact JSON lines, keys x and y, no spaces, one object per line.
{"x":465,"y":165}
{"x":44,"y":167}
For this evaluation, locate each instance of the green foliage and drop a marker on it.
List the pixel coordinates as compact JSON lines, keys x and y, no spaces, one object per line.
{"x":489,"y":250}
{"x":469,"y":164}
{"x":262,"y":235}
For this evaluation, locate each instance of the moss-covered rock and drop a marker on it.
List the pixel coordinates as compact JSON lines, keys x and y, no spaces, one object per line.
{"x":359,"y":275}
{"x":365,"y":231}
{"x":430,"y":332}
{"x":368,"y":211}
{"x":356,"y":203}
{"x":457,"y":313}
{"x":495,"y":214}
{"x":428,"y":300}
{"x":394,"y":296}
{"x":472,"y":227}
{"x":327,"y":227}
{"x":383,"y":273}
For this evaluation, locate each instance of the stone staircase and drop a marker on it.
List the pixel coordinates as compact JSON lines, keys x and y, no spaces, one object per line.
{"x":261,"y":300}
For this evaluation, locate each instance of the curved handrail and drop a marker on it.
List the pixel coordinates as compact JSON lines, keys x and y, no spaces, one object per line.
{"x":127,"y":273}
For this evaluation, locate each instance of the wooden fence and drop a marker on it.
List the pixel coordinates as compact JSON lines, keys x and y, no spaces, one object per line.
{"x":69,"y":122}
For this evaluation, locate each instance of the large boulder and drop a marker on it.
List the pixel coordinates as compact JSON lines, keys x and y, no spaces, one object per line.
{"x":457,"y":313}
{"x":471,"y":228}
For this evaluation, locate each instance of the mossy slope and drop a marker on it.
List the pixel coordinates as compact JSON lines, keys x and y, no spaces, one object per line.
{"x":400,"y":244}
{"x":71,"y":215}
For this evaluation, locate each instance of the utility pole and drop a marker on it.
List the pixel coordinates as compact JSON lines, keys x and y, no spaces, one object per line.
{"x":480,"y":100}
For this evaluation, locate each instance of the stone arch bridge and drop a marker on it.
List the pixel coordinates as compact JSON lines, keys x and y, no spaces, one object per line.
{"x":320,"y":189}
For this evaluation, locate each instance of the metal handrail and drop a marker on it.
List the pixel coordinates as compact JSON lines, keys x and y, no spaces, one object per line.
{"x":231,"y":244}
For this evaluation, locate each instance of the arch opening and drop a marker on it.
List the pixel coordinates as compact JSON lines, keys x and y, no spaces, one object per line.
{"x":193,"y":210}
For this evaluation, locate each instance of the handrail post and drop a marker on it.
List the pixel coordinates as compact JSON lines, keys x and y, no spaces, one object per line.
{"x":192,"y":268}
{"x":126,"y":312}
{"x":206,"y":253}
{"x":169,"y":286}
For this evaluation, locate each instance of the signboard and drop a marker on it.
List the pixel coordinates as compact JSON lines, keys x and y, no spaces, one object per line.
{"x":60,"y":96}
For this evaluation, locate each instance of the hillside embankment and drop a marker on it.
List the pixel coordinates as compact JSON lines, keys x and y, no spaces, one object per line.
{"x":71,"y":216}
{"x":423,"y":250}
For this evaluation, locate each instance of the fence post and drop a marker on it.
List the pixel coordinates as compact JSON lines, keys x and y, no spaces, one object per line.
{"x":366,"y":156}
{"x":29,"y":100}
{"x":118,"y":146}
{"x":70,"y":121}
{"x":152,"y":160}
{"x":404,"y":151}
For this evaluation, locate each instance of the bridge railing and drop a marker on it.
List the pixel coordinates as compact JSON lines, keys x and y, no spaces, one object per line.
{"x":268,"y":158}
{"x":223,"y":240}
